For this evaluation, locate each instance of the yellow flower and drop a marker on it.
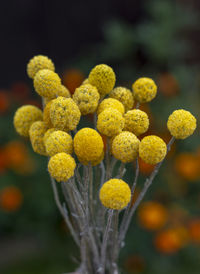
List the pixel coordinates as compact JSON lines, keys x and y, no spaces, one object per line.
{"x":88,"y":145}
{"x":37,"y":63}
{"x":63,"y":91}
{"x":59,"y":141}
{"x":125,"y":147}
{"x":93,"y":163}
{"x":24,"y":117}
{"x":86,"y":81}
{"x":115,"y":194}
{"x":36,"y":132}
{"x":47,"y":83}
{"x":48,"y":133}
{"x":136,"y":121}
{"x":110,"y":103}
{"x":152,"y":149}
{"x":87,"y":98}
{"x":124,"y":95}
{"x":110,"y":122}
{"x":102,"y":77}
{"x":46,"y":114}
{"x":181,"y":124}
{"x":61,"y":166}
{"x":64,"y":114}
{"x":144,"y":90}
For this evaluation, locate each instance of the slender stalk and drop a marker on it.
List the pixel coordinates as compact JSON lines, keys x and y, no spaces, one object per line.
{"x":137,"y":105}
{"x":147,"y":184}
{"x":114,"y":248}
{"x":121,"y":170}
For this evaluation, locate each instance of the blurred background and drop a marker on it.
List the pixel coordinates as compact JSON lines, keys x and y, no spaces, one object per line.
{"x":153,"y":38}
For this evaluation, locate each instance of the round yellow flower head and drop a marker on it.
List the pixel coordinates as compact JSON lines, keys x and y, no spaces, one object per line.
{"x":63,"y":91}
{"x":36,"y":132}
{"x":24,"y":117}
{"x":59,"y":141}
{"x":46,"y":114}
{"x":48,"y":133}
{"x":110,"y":122}
{"x":123,"y":95}
{"x":115,"y":194}
{"x":181,"y":124}
{"x":110,"y":103}
{"x":144,"y":90}
{"x":87,"y":98}
{"x":136,"y":121}
{"x":37,"y":63}
{"x":102,"y":77}
{"x":93,"y":163}
{"x":64,"y":114}
{"x":88,"y":145}
{"x":86,"y":81}
{"x":47,"y":83}
{"x":152,"y":149}
{"x":61,"y":166}
{"x":125,"y":147}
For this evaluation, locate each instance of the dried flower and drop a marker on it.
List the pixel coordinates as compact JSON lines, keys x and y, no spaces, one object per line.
{"x":125,"y":147}
{"x":110,"y":103}
{"x":61,"y":166}
{"x":123,"y":95}
{"x":87,"y":98}
{"x":144,"y":90}
{"x":110,"y":122}
{"x":37,"y":63}
{"x":136,"y":121}
{"x":115,"y":194}
{"x":36,"y":133}
{"x":88,"y":145}
{"x":152,"y":149}
{"x":59,"y":141}
{"x":102,"y":77}
{"x":24,"y":117}
{"x":181,"y":124}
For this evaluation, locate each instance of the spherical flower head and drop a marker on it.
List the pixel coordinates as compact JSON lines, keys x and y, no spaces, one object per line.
{"x":86,"y":81}
{"x":36,"y":133}
{"x":46,"y":114}
{"x":181,"y":124}
{"x":48,"y":133}
{"x":136,"y":121}
{"x":110,"y":122}
{"x":37,"y":63}
{"x":110,"y":103}
{"x":24,"y":117}
{"x":123,"y":95}
{"x":102,"y":77}
{"x":88,"y":145}
{"x":47,"y":83}
{"x":125,"y":147}
{"x":87,"y":98}
{"x":144,"y":90}
{"x":152,"y":149}
{"x":59,"y":141}
{"x":64,"y":92}
{"x":115,"y":194}
{"x":61,"y":166}
{"x":64,"y":114}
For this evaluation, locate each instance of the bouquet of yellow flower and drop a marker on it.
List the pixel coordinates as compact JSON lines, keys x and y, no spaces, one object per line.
{"x":96,"y":202}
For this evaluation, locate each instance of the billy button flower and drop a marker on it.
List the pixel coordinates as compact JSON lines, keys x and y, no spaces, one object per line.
{"x":46,"y":114}
{"x":24,"y":117}
{"x":152,"y":149}
{"x":125,"y":147}
{"x":110,"y":103}
{"x":93,"y":163}
{"x":87,"y":98}
{"x":88,"y":145}
{"x":37,"y":63}
{"x":36,"y":133}
{"x":136,"y":121}
{"x":110,"y":122}
{"x":115,"y":194}
{"x":63,"y":91}
{"x":47,"y":83}
{"x":64,"y":114}
{"x":48,"y":133}
{"x":59,"y":141}
{"x":123,"y":95}
{"x":61,"y":166}
{"x":181,"y":124}
{"x":102,"y":77}
{"x":144,"y":90}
